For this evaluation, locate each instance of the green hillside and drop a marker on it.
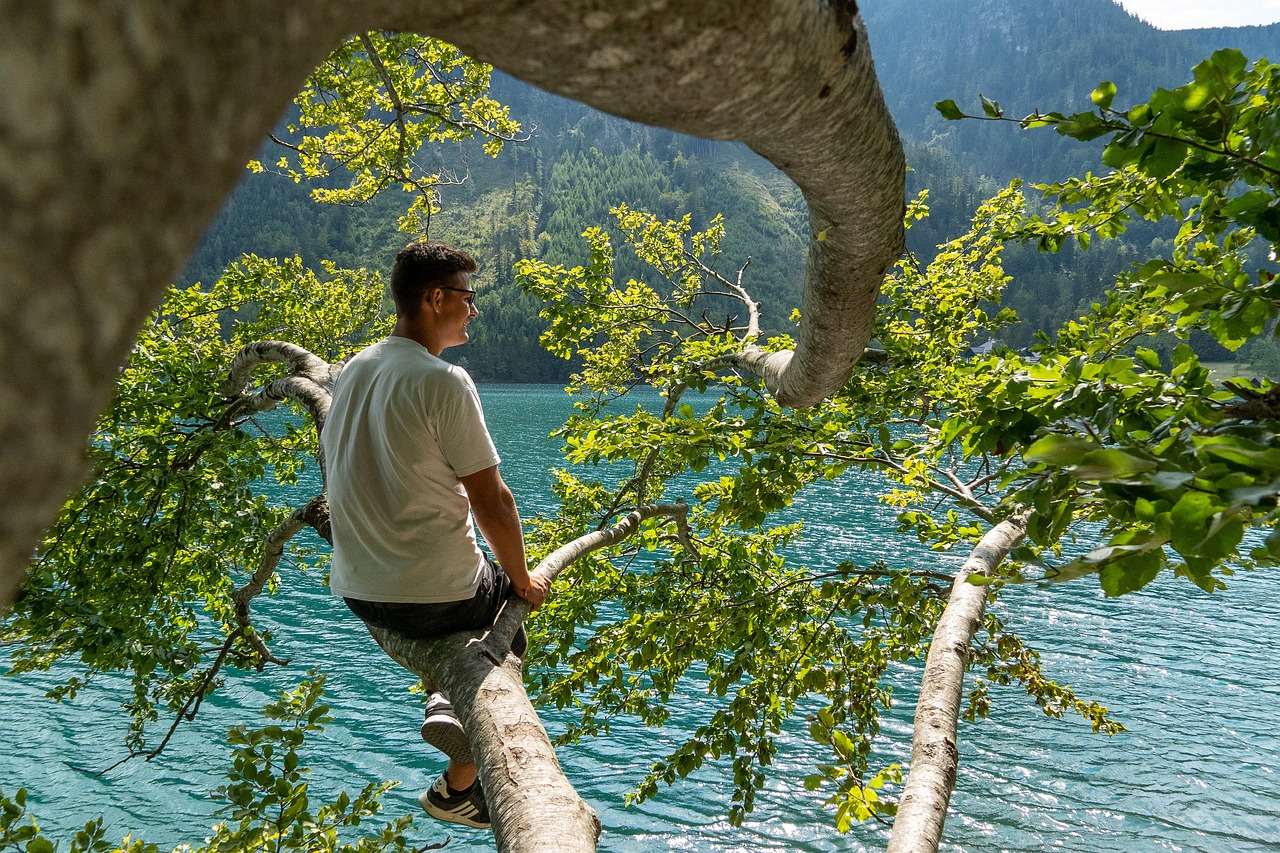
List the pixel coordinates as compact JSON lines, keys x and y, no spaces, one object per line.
{"x":538,"y":196}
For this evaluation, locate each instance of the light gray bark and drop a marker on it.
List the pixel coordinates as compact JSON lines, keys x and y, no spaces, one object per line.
{"x":922,"y":809}
{"x":533,"y":807}
{"x":125,"y":123}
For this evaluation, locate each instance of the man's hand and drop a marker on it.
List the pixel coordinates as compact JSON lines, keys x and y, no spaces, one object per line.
{"x":537,"y":591}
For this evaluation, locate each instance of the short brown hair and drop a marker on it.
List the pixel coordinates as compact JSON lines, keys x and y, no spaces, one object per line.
{"x":422,"y":265}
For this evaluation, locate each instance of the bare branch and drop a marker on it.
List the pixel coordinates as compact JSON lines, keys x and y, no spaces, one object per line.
{"x":753,"y":307}
{"x":314,"y":514}
{"x":375,"y":59}
{"x":922,"y":809}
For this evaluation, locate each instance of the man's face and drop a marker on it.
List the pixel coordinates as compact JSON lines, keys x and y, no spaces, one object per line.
{"x":457,"y":308}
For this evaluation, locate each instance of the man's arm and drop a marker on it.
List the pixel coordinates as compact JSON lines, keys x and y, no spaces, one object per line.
{"x":494,"y":508}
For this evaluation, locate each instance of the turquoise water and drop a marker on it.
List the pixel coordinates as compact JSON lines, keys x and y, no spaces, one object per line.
{"x":1193,"y":676}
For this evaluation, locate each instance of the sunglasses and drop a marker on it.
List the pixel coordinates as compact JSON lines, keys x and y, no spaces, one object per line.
{"x":470,"y":300}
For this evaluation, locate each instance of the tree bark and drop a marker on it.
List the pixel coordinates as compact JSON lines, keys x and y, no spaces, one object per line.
{"x":125,"y":123}
{"x":922,"y":809}
{"x":531,"y":803}
{"x":532,"y":806}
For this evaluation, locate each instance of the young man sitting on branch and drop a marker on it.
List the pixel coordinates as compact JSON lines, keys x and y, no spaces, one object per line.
{"x":409,"y":463}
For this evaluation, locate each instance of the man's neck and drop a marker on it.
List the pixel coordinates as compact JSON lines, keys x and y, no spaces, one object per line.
{"x":417,"y":332}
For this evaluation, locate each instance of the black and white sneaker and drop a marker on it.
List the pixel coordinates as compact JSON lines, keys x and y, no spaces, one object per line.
{"x":467,"y":808}
{"x":442,"y":730}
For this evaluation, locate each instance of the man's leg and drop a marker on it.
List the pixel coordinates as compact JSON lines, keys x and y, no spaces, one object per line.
{"x":455,"y":796}
{"x":442,"y":728}
{"x":444,"y":731}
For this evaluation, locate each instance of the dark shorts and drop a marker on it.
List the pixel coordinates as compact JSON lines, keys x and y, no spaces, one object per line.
{"x":423,"y":621}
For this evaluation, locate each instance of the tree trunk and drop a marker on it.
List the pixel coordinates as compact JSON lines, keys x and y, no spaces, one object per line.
{"x":125,"y":123}
{"x":922,"y":809}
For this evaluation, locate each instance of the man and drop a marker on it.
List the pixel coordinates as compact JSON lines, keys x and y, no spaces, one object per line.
{"x":409,"y":462}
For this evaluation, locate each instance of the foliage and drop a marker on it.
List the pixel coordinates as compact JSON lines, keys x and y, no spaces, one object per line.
{"x":372,"y":106}
{"x":268,"y":797}
{"x":578,"y":163}
{"x":138,"y":571}
{"x":1175,"y":467}
{"x":1092,"y":432}
{"x":727,"y":597}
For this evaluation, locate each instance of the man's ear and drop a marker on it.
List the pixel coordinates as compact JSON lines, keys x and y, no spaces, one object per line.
{"x":433,"y":298}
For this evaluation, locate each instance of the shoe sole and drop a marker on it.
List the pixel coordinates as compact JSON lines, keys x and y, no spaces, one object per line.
{"x":447,"y":816}
{"x":446,"y":735}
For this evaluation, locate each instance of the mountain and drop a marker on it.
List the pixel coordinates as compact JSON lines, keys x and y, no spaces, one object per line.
{"x":538,"y":197}
{"x":1027,"y":55}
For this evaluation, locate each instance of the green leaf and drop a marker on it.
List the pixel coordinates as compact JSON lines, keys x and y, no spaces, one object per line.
{"x":1061,"y":450}
{"x":1149,"y":357}
{"x":1180,"y":282}
{"x":1131,"y":573}
{"x":1190,"y":517}
{"x":1163,"y":158}
{"x":1103,"y":95}
{"x":1110,"y":463}
{"x":949,"y":110}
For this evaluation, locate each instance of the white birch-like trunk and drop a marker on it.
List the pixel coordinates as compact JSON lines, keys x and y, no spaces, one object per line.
{"x":125,"y":124}
{"x":922,"y":808}
{"x":532,"y":806}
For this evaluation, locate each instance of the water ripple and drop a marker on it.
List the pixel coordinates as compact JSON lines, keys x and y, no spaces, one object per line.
{"x":1191,"y":675}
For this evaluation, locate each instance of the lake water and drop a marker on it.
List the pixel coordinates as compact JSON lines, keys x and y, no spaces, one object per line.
{"x":1194,"y":677}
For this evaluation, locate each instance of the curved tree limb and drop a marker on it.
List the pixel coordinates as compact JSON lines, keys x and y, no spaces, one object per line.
{"x":312,"y":396}
{"x":922,"y":809}
{"x":315,"y":514}
{"x":309,"y":382}
{"x":795,"y":81}
{"x":300,"y":361}
{"x":127,"y":124}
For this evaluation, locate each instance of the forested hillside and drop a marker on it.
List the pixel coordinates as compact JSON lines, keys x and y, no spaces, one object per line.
{"x":1027,"y":55}
{"x":538,"y":196}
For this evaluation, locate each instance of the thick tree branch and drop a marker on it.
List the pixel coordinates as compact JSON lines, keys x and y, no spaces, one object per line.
{"x":309,"y":382}
{"x":300,"y":361}
{"x":922,"y":809}
{"x":532,"y":805}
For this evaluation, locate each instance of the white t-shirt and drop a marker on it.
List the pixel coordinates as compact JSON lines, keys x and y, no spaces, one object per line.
{"x":403,"y":427}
